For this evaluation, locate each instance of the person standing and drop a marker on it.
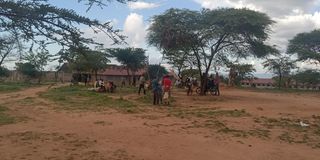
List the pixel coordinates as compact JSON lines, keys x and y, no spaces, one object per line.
{"x":142,"y":82}
{"x":189,"y":86}
{"x":156,"y":90}
{"x":217,"y":82}
{"x":166,"y":83}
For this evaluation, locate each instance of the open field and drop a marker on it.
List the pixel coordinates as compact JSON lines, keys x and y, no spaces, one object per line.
{"x":74,"y":123}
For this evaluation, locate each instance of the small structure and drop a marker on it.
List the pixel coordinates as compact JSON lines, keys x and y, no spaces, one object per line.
{"x":118,"y":73}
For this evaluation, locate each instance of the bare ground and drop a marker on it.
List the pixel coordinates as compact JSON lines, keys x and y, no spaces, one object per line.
{"x":239,"y":125}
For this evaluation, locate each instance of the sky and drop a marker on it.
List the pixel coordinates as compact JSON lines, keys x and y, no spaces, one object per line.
{"x":291,"y":16}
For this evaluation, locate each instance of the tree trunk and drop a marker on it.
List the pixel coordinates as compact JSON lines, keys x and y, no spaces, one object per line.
{"x":280,"y":80}
{"x":204,"y":78}
{"x":133,"y":78}
{"x":129,"y":78}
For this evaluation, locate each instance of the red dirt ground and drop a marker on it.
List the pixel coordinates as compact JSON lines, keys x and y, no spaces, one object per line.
{"x":152,"y":135}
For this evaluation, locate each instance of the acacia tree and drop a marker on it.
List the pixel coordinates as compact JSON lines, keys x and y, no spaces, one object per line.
{"x":306,"y":46}
{"x":40,"y":22}
{"x":7,"y":46}
{"x":210,"y":33}
{"x":156,"y":71}
{"x":132,"y":58}
{"x":180,"y":60}
{"x":307,"y":76}
{"x":239,"y":72}
{"x":281,"y":67}
{"x":39,"y":60}
{"x":83,"y":59}
{"x":28,"y":70}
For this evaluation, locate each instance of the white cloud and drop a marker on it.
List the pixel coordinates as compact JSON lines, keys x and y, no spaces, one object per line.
{"x":291,"y":16}
{"x":287,"y":27}
{"x":274,"y":8}
{"x":142,"y":5}
{"x":135,"y":29}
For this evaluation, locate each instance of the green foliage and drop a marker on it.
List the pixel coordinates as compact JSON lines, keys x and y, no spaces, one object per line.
{"x":156,"y":71}
{"x":239,"y":72}
{"x":190,"y":73}
{"x":80,"y":99}
{"x":132,"y":58}
{"x":39,"y":60}
{"x":42,"y":23}
{"x":306,"y":46}
{"x":281,"y":67}
{"x":12,"y":86}
{"x":27,"y":69}
{"x":83,"y":59}
{"x":4,"y":72}
{"x":307,"y":76}
{"x":7,"y":45}
{"x":5,"y":118}
{"x":210,"y":34}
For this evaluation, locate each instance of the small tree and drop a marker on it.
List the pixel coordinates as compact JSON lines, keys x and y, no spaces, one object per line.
{"x":84,"y":59}
{"x":28,"y":70}
{"x":7,"y":45}
{"x":180,"y":61}
{"x":132,"y":58}
{"x":281,"y":67}
{"x":156,"y":71}
{"x":307,"y":76}
{"x":306,"y":46}
{"x":239,"y":72}
{"x":39,"y":61}
{"x":4,"y":72}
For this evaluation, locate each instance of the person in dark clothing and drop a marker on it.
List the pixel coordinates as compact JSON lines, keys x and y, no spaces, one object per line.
{"x":189,"y":86}
{"x":217,"y":82}
{"x":142,"y":82}
{"x":157,"y":91}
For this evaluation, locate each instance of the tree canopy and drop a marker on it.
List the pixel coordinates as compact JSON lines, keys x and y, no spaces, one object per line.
{"x":7,"y":46}
{"x":280,"y":66}
{"x":210,"y":34}
{"x":307,"y":76}
{"x":306,"y":46}
{"x":156,"y":71}
{"x":84,"y":59}
{"x":40,"y":22}
{"x":4,"y":72}
{"x":27,"y":69}
{"x":132,"y":58}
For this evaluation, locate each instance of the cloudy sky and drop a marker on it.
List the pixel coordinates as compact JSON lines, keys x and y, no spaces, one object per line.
{"x":292,"y":17}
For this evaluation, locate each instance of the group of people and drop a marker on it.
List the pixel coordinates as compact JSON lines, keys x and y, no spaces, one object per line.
{"x":105,"y":87}
{"x":212,"y":84}
{"x":161,"y":89}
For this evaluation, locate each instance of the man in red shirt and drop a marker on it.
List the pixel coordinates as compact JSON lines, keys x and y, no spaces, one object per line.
{"x":166,"y":84}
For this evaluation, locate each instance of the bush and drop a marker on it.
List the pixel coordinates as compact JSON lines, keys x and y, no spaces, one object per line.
{"x":4,"y":72}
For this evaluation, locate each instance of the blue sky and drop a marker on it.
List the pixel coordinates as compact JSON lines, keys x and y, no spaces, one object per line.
{"x":291,"y":16}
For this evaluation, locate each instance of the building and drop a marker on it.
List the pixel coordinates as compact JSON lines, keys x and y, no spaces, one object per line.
{"x":118,"y":73}
{"x":270,"y":83}
{"x":259,"y":83}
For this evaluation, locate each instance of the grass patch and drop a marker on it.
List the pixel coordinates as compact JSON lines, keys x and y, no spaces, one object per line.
{"x":208,"y":113}
{"x":292,"y":132}
{"x":12,"y":86}
{"x":79,"y":98}
{"x":5,"y":118}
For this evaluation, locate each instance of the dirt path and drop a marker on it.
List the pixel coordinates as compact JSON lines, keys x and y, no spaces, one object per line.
{"x":60,"y":135}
